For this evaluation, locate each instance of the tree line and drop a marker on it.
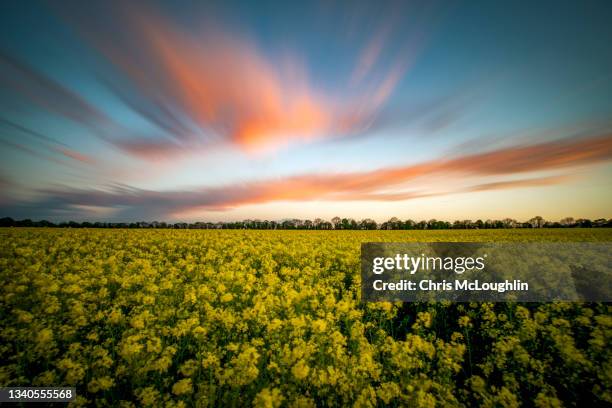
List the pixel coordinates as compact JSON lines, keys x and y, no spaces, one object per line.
{"x":335,"y":223}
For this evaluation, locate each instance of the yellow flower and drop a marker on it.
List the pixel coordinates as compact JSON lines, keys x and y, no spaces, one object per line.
{"x":319,"y":326}
{"x":74,"y":371}
{"x":100,"y":384}
{"x":148,"y":396}
{"x":268,"y":398}
{"x":182,"y":387}
{"x":388,"y":391}
{"x":189,"y":368}
{"x":44,"y":336}
{"x":464,"y":321}
{"x":300,"y":370}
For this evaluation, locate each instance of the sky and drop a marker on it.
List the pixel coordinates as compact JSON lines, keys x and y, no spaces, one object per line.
{"x":203,"y":111}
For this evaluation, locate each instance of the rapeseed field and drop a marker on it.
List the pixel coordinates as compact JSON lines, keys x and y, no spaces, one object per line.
{"x":180,"y":318}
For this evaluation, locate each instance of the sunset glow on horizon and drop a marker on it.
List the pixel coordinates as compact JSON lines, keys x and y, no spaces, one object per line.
{"x":182,"y":111}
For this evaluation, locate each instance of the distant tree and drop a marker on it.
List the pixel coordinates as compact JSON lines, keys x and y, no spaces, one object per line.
{"x":600,"y":222}
{"x":288,"y":224}
{"x":326,"y":225}
{"x":509,"y":223}
{"x":345,"y":223}
{"x":409,"y":224}
{"x":537,"y":222}
{"x":25,"y":223}
{"x":368,"y":224}
{"x":7,"y":222}
{"x":394,"y":223}
{"x":436,"y":224}
{"x":336,"y":222}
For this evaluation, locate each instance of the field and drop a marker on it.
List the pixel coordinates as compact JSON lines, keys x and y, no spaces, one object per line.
{"x":273,"y":318}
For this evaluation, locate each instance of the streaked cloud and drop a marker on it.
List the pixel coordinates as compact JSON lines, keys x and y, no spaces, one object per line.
{"x":46,"y":93}
{"x":213,"y":84}
{"x":73,"y":154}
{"x":461,"y":174}
{"x":529,"y":182}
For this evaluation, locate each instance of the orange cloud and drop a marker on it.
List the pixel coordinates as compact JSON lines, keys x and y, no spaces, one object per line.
{"x":72,"y":154}
{"x":532,"y":182}
{"x":462,"y":173}
{"x":515,"y":160}
{"x":225,"y":86}
{"x":367,"y":185}
{"x":548,"y":155}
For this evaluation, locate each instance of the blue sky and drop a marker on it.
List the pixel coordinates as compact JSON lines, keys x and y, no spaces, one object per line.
{"x":183,"y":111}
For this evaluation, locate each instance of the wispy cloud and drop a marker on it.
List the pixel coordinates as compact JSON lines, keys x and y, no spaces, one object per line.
{"x":225,"y":86}
{"x":46,"y":92}
{"x":212,"y":85}
{"x":49,"y":144}
{"x":519,"y":163}
{"x":30,"y":132}
{"x":528,"y":182}
{"x":32,"y":152}
{"x":73,"y":154}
